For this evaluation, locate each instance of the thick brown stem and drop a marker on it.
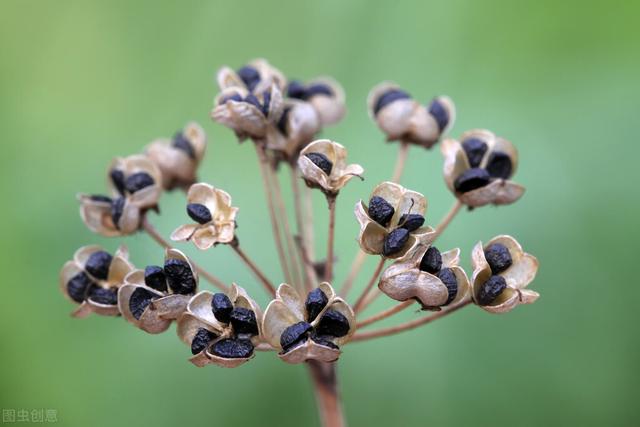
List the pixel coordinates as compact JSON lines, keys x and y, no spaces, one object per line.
{"x":359,"y":305}
{"x":400,"y":162}
{"x":328,"y":272}
{"x":325,"y":384}
{"x":254,"y":268}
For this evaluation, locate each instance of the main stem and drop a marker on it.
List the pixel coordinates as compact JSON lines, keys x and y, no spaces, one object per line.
{"x":325,"y":384}
{"x":328,"y":272}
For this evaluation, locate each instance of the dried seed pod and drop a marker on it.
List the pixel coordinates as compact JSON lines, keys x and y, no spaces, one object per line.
{"x":323,"y":165}
{"x":333,"y":323}
{"x":155,"y":278}
{"x":139,"y":301}
{"x":389,"y":97}
{"x":315,"y":303}
{"x":294,"y":335}
{"x":498,"y":257}
{"x":98,"y":265}
{"x":250,"y":76}
{"x":180,"y":276}
{"x":201,"y":340}
{"x":229,"y":348}
{"x":321,"y":161}
{"x":222,"y":307}
{"x":324,"y":340}
{"x":199,"y":213}
{"x":244,"y":321}
{"x":411,"y":221}
{"x":395,"y":241}
{"x":380,"y":210}
{"x":475,"y":149}
{"x":181,"y":142}
{"x":431,"y":261}
{"x":138,"y":181}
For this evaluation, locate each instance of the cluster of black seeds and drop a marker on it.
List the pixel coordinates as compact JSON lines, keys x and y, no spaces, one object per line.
{"x":499,"y":166}
{"x":298,"y":90}
{"x":251,"y":99}
{"x":181,"y":142}
{"x":332,"y":324}
{"x":81,"y":286}
{"x":199,"y":213}
{"x":388,"y":97}
{"x":321,"y":161}
{"x":499,"y":259}
{"x":431,"y":263}
{"x":381,"y":212}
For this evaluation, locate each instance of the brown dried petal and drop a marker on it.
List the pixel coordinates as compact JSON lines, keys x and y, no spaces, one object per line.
{"x":310,"y":350}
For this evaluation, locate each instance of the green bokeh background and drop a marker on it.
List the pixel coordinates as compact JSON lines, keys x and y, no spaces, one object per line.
{"x":81,"y":82}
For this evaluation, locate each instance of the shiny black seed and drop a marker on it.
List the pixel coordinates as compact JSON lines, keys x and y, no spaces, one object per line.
{"x":283,"y":120}
{"x":333,"y":323}
{"x":138,"y":181}
{"x":499,"y":165}
{"x":439,"y":112}
{"x":253,"y":100}
{"x":491,"y":289}
{"x":180,"y":277}
{"x":232,"y":348}
{"x":266,"y":101}
{"x":294,"y":335}
{"x":498,"y":257}
{"x":244,"y":321}
{"x":471,"y":179}
{"x":475,"y":149}
{"x":316,"y":301}
{"x":139,"y":300}
{"x":296,"y":90}
{"x":98,"y":265}
{"x":448,"y":277}
{"x":325,"y":340}
{"x":117,"y":178}
{"x":380,"y":210}
{"x":233,"y":97}
{"x":321,"y":161}
{"x":201,"y":340}
{"x":100,"y":198}
{"x":77,"y":286}
{"x":199,"y":213}
{"x":389,"y":97}
{"x":221,"y":307}
{"x":154,"y":278}
{"x":411,"y":221}
{"x":395,"y":241}
{"x":116,"y":211}
{"x":103,"y":296}
{"x":318,"y":89}
{"x":181,"y":142}
{"x":431,"y":262}
{"x":250,"y":76}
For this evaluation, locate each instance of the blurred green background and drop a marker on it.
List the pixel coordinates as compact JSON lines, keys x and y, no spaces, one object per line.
{"x":81,"y":82}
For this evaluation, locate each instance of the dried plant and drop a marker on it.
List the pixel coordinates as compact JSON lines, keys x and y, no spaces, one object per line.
{"x":307,"y":321}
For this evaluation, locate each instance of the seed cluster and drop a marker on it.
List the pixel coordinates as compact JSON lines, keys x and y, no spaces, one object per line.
{"x":298,"y":90}
{"x":498,"y":166}
{"x":431,"y":263}
{"x":382,"y":212}
{"x":263,"y":106}
{"x":499,"y":259}
{"x":82,"y":286}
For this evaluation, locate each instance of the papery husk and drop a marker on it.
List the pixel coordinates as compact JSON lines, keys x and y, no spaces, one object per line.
{"x":331,"y":109}
{"x":150,"y":320}
{"x":341,"y":173}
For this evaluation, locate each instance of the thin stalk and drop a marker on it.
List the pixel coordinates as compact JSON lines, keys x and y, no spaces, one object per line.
{"x":328,"y":271}
{"x":359,"y":303}
{"x":407,"y":325}
{"x":356,"y":266}
{"x":446,"y":220}
{"x":400,"y":162}
{"x":271,"y":290}
{"x":308,"y":218}
{"x":325,"y":383}
{"x":384,"y":314}
{"x":153,"y":233}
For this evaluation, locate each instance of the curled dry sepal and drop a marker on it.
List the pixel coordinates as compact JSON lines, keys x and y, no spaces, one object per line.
{"x":479,"y":168}
{"x":215,"y":218}
{"x":323,"y":165}
{"x":92,"y":279}
{"x":221,"y":329}
{"x":310,"y":329}
{"x":392,"y":224}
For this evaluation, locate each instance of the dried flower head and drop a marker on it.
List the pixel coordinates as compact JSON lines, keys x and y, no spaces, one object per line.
{"x":432,"y":278}
{"x":215,"y":218}
{"x":325,"y":95}
{"x":135,"y":186}
{"x":178,"y":158}
{"x":255,"y":77}
{"x":92,"y":280}
{"x":501,"y":272}
{"x":392,"y":224}
{"x":478,"y":169}
{"x":152,"y":298}
{"x":297,"y":126}
{"x":313,"y":329}
{"x":404,"y":119}
{"x":323,"y":165}
{"x":221,"y":329}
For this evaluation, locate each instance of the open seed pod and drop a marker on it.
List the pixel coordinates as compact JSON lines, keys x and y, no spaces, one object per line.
{"x":434,"y":280}
{"x":297,"y":126}
{"x":311,"y":329}
{"x":92,"y":280}
{"x":501,"y":273}
{"x":323,"y":165}
{"x":257,"y":76}
{"x":136,"y":178}
{"x":109,"y":217}
{"x":324,"y":94}
{"x":221,"y":329}
{"x":392,"y":224}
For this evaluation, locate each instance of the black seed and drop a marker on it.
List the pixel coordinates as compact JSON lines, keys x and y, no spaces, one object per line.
{"x":266,"y":101}
{"x":316,"y":301}
{"x":475,"y":149}
{"x":116,"y":211}
{"x":283,"y":120}
{"x":325,"y":340}
{"x":294,"y":335}
{"x":234,"y":97}
{"x":154,"y":278}
{"x":181,"y":142}
{"x":244,"y":321}
{"x":491,"y":289}
{"x":321,"y":161}
{"x":253,"y":100}
{"x":333,"y":323}
{"x":98,"y":265}
{"x":498,"y":257}
{"x":431,"y":262}
{"x":77,"y":286}
{"x":232,"y":348}
{"x":318,"y":89}
{"x":138,"y":181}
{"x":103,"y":296}
{"x":221,"y":307}
{"x":448,"y":277}
{"x":439,"y":112}
{"x":180,"y":277}
{"x":100,"y":198}
{"x":380,"y":210}
{"x":411,"y":221}
{"x":395,"y":241}
{"x":499,"y":165}
{"x":250,"y":76}
{"x":199,"y":213}
{"x":296,"y":90}
{"x":389,"y":97}
{"x":117,"y":177}
{"x":201,"y":340}
{"x":139,"y":300}
{"x":471,"y":179}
